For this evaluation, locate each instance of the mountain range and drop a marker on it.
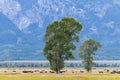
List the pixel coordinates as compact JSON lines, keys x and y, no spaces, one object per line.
{"x":23,"y":24}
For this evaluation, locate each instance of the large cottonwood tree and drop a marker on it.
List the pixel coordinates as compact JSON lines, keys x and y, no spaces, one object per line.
{"x":59,"y":38}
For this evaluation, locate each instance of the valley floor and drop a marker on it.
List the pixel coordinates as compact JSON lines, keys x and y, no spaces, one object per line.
{"x":70,"y":74}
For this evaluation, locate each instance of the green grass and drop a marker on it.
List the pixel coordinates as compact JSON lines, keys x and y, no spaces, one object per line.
{"x":59,"y":77}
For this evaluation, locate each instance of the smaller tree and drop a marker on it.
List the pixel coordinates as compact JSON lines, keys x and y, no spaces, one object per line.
{"x":86,"y":52}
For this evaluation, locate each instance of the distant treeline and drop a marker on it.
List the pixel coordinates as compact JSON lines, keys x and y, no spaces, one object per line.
{"x":45,"y":64}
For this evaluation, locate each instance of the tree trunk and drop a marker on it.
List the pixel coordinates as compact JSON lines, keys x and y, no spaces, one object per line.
{"x":57,"y":71}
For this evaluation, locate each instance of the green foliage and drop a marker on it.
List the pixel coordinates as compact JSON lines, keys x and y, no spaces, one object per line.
{"x":86,"y":52}
{"x":59,"y":39}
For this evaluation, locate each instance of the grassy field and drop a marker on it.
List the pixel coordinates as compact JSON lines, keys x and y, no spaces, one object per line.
{"x":18,"y":75}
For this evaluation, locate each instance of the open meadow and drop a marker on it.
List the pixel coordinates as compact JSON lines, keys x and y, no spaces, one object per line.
{"x":68,"y":74}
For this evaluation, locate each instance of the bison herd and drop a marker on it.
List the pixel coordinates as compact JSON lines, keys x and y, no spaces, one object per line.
{"x":111,"y":72}
{"x":64,"y":71}
{"x":40,"y":71}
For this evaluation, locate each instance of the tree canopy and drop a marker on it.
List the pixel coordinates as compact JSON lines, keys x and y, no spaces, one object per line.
{"x":59,"y":38}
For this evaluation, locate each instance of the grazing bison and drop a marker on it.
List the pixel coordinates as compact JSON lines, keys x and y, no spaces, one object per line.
{"x":63,"y":71}
{"x":106,"y":70}
{"x":113,"y":72}
{"x":5,"y":71}
{"x":43,"y":71}
{"x":52,"y":72}
{"x":81,"y":71}
{"x":36,"y":71}
{"x":100,"y":71}
{"x":14,"y":71}
{"x":27,"y":71}
{"x":117,"y":72}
